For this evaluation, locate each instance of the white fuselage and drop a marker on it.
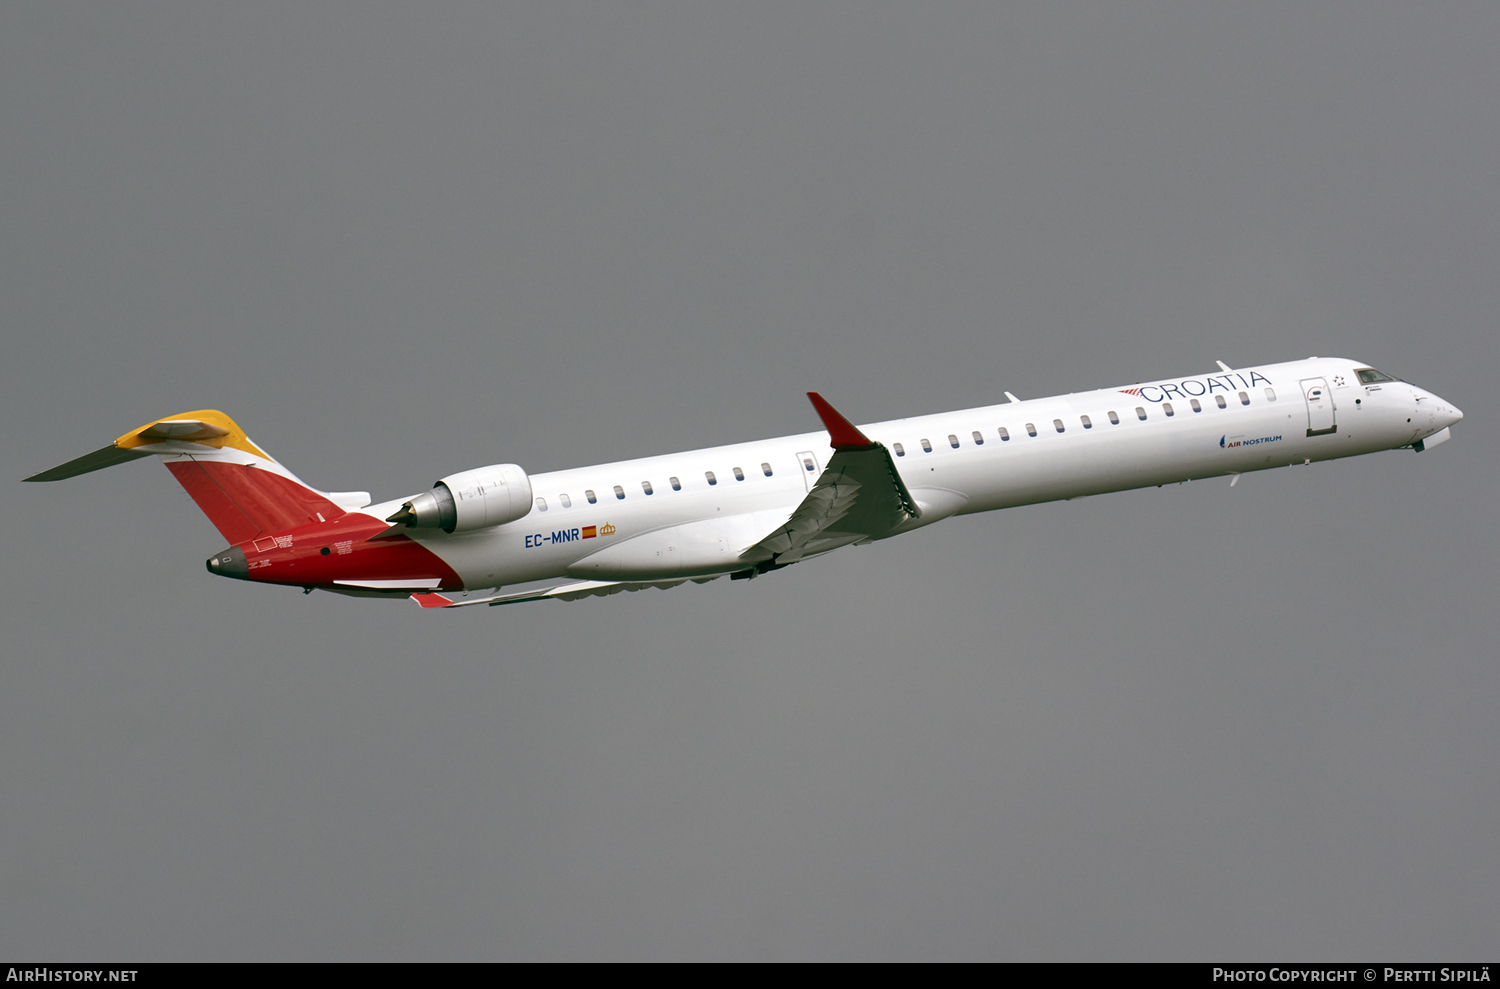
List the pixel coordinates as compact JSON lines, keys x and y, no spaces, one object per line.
{"x":971,"y":460}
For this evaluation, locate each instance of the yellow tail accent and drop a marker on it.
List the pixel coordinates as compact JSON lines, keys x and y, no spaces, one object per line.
{"x":206,"y":427}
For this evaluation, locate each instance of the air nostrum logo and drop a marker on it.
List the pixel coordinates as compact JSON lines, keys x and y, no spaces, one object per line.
{"x":1229,"y":444}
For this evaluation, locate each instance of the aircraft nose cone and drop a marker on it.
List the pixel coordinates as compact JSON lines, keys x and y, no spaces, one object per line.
{"x":1448,"y":414}
{"x":229,"y":563}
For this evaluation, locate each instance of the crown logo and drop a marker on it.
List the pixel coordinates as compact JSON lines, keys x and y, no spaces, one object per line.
{"x":606,"y":530}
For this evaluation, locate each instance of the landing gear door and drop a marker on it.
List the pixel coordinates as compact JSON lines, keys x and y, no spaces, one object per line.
{"x":808,"y":467}
{"x":1320,"y":407}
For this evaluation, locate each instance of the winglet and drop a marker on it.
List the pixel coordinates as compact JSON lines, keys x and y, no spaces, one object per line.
{"x":432,"y":600}
{"x":841,"y":432}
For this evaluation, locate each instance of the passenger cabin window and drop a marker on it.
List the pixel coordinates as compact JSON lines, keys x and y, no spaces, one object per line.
{"x":1057,"y":424}
{"x":566,"y":501}
{"x":1031,"y":429}
{"x":676,"y":484}
{"x":1370,"y":376}
{"x":1244,"y":399}
{"x":1140,"y":413}
{"x":807,"y":462}
{"x":953,"y":441}
{"x":1220,"y":400}
{"x":619,"y":492}
{"x":978,"y":438}
{"x":926,"y":447}
{"x":1114,"y":419}
{"x":1270,"y":394}
{"x":541,"y":504}
{"x":1087,"y":422}
{"x":739,"y":475}
{"x":1004,"y":435}
{"x":900,"y":450}
{"x":589,"y":494}
{"x":765,"y":469}
{"x":710,"y":475}
{"x":646,"y":487}
{"x":1167,"y":408}
{"x":1196,"y":406}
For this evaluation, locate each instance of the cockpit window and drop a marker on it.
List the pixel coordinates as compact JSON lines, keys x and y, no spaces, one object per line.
{"x":1369,"y":376}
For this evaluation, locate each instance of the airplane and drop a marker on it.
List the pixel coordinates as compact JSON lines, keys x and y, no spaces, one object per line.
{"x":749,"y":509}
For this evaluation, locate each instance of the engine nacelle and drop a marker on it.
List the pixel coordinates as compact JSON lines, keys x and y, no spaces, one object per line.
{"x":471,"y":499}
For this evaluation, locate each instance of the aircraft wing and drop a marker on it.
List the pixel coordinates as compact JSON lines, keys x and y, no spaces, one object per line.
{"x":859,"y":496}
{"x":561,"y":592}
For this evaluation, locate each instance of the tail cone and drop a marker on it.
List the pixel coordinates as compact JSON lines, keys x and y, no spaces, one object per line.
{"x":229,"y":563}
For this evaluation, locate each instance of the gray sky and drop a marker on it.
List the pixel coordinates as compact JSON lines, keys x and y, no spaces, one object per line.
{"x":398,"y":241}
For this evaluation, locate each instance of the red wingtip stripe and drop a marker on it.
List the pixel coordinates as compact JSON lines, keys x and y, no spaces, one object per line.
{"x":841,"y":432}
{"x":431,"y":600}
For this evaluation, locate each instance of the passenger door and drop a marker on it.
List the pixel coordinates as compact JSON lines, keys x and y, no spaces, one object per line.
{"x":1320,"y":407}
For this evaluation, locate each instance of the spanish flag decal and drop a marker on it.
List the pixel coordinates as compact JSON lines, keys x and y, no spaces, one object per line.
{"x":590,"y":531}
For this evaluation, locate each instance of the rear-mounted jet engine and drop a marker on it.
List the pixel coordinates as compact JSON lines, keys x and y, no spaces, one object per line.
{"x":473,"y":499}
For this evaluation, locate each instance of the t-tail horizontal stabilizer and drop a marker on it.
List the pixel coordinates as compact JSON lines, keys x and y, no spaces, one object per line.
{"x":88,"y":463}
{"x":243,"y":491}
